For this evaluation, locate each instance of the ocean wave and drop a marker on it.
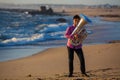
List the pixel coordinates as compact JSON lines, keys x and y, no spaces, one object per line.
{"x":21,"y":41}
{"x":22,"y":28}
{"x":40,"y":33}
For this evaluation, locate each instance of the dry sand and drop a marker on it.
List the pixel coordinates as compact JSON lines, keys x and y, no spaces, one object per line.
{"x":102,"y":63}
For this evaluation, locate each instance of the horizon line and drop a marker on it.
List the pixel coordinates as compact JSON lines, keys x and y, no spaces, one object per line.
{"x":53,"y":4}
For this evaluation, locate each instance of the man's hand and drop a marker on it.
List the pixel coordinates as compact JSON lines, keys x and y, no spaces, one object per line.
{"x":76,"y":36}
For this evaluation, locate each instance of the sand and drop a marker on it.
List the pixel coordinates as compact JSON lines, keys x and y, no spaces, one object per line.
{"x":107,"y":14}
{"x":102,"y":62}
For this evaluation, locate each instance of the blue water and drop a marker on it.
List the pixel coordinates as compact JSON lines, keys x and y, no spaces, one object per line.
{"x":22,"y":29}
{"x":23,"y":34}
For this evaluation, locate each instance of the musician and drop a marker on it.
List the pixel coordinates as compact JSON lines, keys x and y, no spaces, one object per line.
{"x":71,"y":48}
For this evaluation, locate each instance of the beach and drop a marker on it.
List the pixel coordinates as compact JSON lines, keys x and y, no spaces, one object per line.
{"x":102,"y":62}
{"x":101,"y":50}
{"x":107,"y":14}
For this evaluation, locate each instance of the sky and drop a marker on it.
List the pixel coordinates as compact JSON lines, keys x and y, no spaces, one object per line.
{"x":86,"y":2}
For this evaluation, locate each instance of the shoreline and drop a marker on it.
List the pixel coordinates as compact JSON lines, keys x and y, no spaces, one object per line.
{"x":42,"y":51}
{"x":29,"y":52}
{"x":51,"y":64}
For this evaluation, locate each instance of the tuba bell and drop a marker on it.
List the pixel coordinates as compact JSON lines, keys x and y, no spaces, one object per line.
{"x":80,"y":31}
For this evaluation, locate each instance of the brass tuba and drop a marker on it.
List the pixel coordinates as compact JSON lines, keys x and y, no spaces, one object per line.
{"x":80,"y":31}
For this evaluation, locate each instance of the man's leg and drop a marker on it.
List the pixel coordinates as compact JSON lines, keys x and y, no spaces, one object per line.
{"x":82,"y":60}
{"x":70,"y":58}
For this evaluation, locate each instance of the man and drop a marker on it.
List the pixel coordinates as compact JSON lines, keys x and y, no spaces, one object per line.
{"x":71,"y":48}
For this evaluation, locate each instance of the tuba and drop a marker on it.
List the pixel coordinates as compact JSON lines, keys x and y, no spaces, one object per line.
{"x":80,"y":31}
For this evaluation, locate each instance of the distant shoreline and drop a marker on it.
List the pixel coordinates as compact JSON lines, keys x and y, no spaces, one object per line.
{"x":107,"y":14}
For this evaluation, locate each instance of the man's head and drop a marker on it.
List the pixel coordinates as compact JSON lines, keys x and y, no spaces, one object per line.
{"x":76,"y":20}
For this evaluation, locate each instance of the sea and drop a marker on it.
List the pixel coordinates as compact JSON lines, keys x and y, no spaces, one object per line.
{"x":23,"y":34}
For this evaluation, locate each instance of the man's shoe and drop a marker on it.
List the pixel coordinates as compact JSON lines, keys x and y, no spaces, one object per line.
{"x":70,"y":75}
{"x":85,"y":75}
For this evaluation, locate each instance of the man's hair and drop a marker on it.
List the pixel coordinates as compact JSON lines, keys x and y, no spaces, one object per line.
{"x":76,"y":17}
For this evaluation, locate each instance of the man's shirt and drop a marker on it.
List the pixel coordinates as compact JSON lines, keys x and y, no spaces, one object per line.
{"x":68,"y":33}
